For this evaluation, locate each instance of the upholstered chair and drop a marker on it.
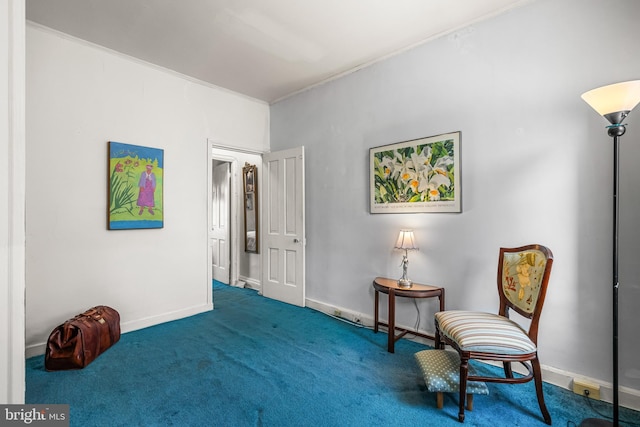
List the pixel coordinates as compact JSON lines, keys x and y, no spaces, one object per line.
{"x":523,"y":275}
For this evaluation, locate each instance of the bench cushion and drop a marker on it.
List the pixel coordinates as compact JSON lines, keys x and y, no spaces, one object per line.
{"x":441,"y":372}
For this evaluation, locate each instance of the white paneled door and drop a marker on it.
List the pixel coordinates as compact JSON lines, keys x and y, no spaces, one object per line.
{"x":219,"y":232}
{"x":283,"y":222}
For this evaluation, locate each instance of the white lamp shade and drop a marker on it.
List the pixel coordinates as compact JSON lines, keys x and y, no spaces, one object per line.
{"x":614,"y":98}
{"x":406,"y":240}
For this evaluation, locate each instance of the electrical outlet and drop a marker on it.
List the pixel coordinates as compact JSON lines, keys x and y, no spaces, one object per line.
{"x":356,"y":319}
{"x":586,"y":388}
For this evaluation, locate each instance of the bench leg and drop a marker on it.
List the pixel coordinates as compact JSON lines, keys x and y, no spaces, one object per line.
{"x":439,"y":399}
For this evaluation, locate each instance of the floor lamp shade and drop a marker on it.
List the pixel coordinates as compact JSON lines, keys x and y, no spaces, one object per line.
{"x":614,"y":102}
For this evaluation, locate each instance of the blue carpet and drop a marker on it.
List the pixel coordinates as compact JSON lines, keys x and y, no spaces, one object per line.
{"x":258,"y":362}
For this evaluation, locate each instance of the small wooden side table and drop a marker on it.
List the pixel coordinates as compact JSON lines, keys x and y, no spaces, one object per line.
{"x":390,"y":287}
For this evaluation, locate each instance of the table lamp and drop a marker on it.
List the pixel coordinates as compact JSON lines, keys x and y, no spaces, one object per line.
{"x":406,"y":241}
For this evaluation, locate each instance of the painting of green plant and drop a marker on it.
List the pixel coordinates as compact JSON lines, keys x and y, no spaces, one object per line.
{"x":420,"y":172}
{"x":136,"y":177}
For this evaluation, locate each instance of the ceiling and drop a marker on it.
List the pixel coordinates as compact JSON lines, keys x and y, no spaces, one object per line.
{"x":265,"y":49}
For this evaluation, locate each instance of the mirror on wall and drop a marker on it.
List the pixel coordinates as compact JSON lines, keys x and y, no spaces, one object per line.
{"x":250,"y":179}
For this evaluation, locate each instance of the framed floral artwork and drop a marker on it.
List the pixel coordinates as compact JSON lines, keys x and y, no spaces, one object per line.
{"x":421,"y":175}
{"x":136,"y":180}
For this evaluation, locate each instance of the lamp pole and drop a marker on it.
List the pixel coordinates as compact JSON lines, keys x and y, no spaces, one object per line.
{"x":616,"y":131}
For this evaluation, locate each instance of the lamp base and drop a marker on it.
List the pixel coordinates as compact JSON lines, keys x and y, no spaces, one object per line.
{"x":405,"y":283}
{"x":595,"y":422}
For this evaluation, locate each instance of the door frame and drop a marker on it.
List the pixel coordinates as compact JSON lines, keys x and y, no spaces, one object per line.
{"x":233,"y":228}
{"x":233,"y":156}
{"x":226,"y":154}
{"x":12,"y":189}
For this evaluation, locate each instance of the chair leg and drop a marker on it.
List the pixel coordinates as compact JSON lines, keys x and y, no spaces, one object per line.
{"x":469,"y":402}
{"x":508,"y":373}
{"x":438,"y":344}
{"x":537,"y":377}
{"x":464,"y":373}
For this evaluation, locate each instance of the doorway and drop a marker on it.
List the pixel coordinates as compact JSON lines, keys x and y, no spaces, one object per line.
{"x":277,"y":270}
{"x":228,"y":263}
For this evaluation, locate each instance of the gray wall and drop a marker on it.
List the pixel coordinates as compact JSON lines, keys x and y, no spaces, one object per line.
{"x":536,"y":168}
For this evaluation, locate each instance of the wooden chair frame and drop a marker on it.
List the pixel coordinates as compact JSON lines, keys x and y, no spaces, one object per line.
{"x":529,"y":360}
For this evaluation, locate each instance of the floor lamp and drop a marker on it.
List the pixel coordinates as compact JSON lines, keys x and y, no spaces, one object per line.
{"x":614,"y":102}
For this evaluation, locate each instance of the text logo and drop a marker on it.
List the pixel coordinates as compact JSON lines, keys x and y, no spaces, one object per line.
{"x":34,"y":415}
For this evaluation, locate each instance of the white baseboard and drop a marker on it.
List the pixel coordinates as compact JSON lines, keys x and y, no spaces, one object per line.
{"x":341,"y":312}
{"x":251,"y":283}
{"x":628,"y":397}
{"x":39,"y":348}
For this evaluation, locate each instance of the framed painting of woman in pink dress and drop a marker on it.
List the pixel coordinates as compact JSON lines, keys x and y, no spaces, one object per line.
{"x":136,"y":176}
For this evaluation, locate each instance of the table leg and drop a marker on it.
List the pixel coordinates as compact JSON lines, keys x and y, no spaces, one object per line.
{"x":392,"y":322}
{"x":375,"y":312}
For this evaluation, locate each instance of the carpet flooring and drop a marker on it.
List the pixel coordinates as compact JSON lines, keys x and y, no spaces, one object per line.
{"x":258,"y":362}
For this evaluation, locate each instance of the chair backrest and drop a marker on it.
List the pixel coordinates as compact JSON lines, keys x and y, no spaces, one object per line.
{"x":523,"y":275}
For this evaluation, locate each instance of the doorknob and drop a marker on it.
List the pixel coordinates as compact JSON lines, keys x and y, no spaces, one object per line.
{"x":296,"y":240}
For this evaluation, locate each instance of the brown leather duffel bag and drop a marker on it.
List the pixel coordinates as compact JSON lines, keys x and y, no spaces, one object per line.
{"x":78,"y":341}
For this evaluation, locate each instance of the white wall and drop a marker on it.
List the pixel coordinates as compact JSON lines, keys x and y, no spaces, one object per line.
{"x":536,"y":168}
{"x":12,"y":194}
{"x":80,"y":96}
